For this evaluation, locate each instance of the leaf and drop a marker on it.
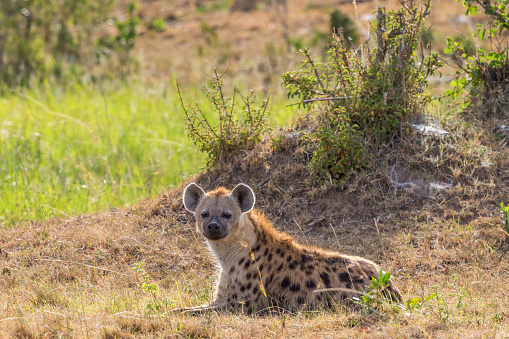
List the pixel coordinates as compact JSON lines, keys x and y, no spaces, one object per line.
{"x":481,"y":34}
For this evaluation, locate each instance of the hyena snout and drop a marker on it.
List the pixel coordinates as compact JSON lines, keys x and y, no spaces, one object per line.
{"x":214,"y":229}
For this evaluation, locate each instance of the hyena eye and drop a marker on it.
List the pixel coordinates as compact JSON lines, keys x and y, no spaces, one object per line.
{"x":226,"y":215}
{"x":204,"y":215}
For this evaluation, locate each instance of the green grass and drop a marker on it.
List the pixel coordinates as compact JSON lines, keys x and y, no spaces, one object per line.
{"x":82,"y":149}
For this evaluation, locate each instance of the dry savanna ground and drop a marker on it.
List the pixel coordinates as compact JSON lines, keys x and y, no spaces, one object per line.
{"x":441,"y":238}
{"x":426,"y":210}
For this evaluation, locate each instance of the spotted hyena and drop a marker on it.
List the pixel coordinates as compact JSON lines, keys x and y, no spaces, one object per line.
{"x":264,"y":269}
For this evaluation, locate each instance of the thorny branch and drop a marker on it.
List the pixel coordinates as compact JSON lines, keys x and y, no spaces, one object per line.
{"x":306,"y":53}
{"x":379,"y":17}
{"x":307,"y":101}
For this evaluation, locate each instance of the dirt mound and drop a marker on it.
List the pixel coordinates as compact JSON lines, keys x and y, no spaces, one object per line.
{"x":461,"y":176}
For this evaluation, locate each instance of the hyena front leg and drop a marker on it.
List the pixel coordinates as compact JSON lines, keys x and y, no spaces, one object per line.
{"x":199,"y":309}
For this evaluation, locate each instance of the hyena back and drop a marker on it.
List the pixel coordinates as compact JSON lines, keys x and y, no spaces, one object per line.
{"x":263,"y":269}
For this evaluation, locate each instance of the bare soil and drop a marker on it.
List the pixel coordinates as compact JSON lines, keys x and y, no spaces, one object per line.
{"x":256,"y":46}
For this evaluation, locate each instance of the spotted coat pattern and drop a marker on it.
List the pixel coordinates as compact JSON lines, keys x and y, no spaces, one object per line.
{"x":262,"y":269}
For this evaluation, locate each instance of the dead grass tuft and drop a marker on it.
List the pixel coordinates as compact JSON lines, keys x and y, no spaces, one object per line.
{"x":45,"y":296}
{"x":196,"y":331}
{"x":23,"y":331}
{"x":136,"y":326}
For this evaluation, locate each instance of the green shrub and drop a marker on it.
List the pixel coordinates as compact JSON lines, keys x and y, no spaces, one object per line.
{"x":366,"y":96}
{"x":240,"y":125}
{"x":123,"y":43}
{"x":41,"y":38}
{"x":485,"y":74}
{"x":339,"y":145}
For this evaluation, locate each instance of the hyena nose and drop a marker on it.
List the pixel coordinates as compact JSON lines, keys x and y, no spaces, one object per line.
{"x":213,"y":226}
{"x":214,"y":231}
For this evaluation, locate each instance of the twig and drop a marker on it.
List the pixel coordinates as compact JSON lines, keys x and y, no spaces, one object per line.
{"x":316,"y":71}
{"x":199,"y":110}
{"x":376,"y":225}
{"x":13,"y":318}
{"x":324,"y":99}
{"x":335,"y":235}
{"x":263,"y":183}
{"x":316,"y":221}
{"x":402,"y":54}
{"x":401,"y":51}
{"x":313,"y":223}
{"x":379,"y":33}
{"x":79,"y":263}
{"x":61,"y":315}
{"x":307,"y":101}
{"x":426,"y":9}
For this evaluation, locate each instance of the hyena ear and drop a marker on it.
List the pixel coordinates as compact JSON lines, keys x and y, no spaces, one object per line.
{"x":191,"y":197}
{"x":244,"y":196}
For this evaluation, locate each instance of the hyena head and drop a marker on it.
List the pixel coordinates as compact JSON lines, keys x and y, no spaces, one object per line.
{"x":218,"y":212}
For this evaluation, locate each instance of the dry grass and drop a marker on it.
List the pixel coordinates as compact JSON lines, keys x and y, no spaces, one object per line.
{"x":74,"y":277}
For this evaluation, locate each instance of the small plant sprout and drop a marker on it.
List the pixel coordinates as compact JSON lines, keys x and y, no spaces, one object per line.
{"x":416,"y":304}
{"x":158,"y":25}
{"x":505,"y":213}
{"x":377,"y":297}
{"x":155,"y":307}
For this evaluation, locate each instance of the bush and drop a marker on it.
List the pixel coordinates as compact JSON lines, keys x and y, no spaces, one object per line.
{"x":123,"y":43}
{"x":367,"y":95}
{"x":39,"y":39}
{"x":485,"y":75}
{"x":240,"y":126}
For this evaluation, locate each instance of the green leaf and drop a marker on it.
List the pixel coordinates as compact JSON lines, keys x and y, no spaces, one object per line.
{"x":481,"y":34}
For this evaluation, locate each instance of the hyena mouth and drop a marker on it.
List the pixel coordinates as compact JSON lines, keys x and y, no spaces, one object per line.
{"x":215,"y":237}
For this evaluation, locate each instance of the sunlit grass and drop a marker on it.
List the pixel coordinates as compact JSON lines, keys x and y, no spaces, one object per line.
{"x":83,"y":148}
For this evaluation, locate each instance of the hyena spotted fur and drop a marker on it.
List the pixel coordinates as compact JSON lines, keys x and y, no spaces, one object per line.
{"x":264,"y":269}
